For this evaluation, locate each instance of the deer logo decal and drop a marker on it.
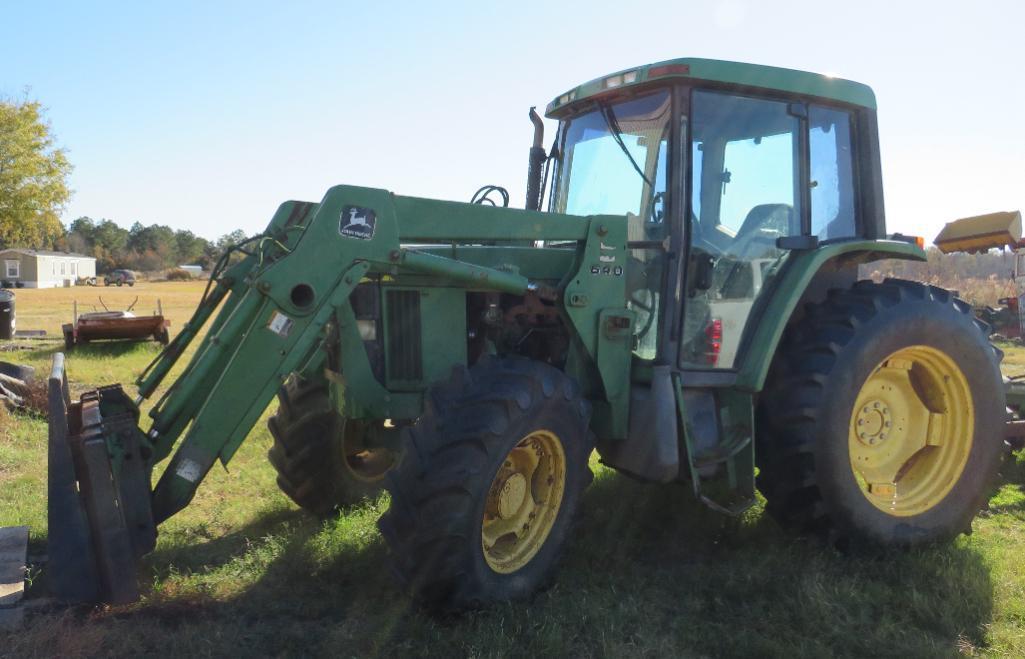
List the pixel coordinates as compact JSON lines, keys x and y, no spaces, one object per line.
{"x":356,"y":222}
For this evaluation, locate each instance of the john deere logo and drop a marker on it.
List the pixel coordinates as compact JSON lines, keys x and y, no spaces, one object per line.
{"x":356,"y":222}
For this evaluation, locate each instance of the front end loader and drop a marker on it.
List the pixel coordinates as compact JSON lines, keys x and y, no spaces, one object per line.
{"x":688,"y":305}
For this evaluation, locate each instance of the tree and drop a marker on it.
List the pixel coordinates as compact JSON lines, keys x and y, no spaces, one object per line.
{"x":190,"y":247}
{"x":33,"y":177}
{"x":229,"y":239}
{"x":156,"y":242}
{"x":226,"y":241}
{"x":81,"y":236}
{"x":110,"y":237}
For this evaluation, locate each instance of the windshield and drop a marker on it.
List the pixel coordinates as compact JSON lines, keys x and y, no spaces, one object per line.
{"x":614,"y":163}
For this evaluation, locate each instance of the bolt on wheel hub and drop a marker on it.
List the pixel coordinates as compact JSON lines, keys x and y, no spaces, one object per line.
{"x":873,"y":422}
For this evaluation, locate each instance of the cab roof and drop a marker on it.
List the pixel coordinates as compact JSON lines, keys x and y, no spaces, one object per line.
{"x":735,"y":73}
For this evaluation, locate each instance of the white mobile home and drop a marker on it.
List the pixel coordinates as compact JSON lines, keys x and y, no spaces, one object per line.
{"x":37,"y":268}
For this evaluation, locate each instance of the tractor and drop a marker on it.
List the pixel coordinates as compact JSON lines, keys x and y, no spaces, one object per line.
{"x":680,"y":294}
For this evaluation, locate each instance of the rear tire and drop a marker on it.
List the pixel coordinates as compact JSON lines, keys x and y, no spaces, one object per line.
{"x":317,"y":453}
{"x":896,"y":358}
{"x":492,"y":475}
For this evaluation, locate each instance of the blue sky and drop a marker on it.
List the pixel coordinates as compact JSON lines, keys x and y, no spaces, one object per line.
{"x":206,"y":115}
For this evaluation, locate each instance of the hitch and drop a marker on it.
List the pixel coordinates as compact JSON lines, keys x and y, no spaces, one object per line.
{"x":99,"y":512}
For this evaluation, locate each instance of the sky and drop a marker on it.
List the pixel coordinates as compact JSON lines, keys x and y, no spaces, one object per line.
{"x":206,"y":115}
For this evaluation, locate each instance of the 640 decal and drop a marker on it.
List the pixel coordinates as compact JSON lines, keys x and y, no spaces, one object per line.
{"x":610,"y":270}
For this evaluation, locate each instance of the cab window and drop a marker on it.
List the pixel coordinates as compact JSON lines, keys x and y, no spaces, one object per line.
{"x":832,"y":173}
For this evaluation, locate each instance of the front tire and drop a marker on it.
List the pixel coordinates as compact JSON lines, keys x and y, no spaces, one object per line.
{"x":324,"y":461}
{"x":883,"y":417}
{"x":491,"y":479}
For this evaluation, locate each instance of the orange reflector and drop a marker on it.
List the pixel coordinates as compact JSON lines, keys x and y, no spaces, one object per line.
{"x":920,"y":241}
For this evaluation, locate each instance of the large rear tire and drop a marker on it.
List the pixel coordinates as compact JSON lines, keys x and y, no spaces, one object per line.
{"x":492,"y":474}
{"x":323,"y":460}
{"x":883,"y":417}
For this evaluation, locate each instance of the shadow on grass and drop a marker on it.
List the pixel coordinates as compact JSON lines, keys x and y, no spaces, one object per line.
{"x":93,"y":349}
{"x":1009,"y":489}
{"x":649,"y":571}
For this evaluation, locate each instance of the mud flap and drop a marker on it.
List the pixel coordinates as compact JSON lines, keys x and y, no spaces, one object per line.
{"x":100,"y":519}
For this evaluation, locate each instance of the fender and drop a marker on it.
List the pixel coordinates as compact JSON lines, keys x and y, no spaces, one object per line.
{"x":797,"y":273}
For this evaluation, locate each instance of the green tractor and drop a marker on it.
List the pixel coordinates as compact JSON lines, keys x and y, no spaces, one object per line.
{"x":688,"y":305}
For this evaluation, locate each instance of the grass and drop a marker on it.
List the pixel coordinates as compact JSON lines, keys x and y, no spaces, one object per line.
{"x":649,"y":571}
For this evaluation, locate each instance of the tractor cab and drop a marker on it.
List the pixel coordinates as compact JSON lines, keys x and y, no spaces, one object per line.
{"x":719,"y":181}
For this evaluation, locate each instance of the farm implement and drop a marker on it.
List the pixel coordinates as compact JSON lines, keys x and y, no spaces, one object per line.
{"x":687,"y":305}
{"x":115,"y":325}
{"x":982,"y":233}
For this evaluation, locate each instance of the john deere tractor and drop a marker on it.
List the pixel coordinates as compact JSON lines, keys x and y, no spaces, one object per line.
{"x":680,"y":294}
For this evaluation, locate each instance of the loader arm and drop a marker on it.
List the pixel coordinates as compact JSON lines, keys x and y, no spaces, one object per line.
{"x":283,"y":301}
{"x":272,"y":313}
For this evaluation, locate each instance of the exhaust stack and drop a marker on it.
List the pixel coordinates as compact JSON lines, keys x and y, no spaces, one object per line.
{"x":536,"y":163}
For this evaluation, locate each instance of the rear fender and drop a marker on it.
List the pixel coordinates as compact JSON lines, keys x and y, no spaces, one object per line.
{"x":799,"y":280}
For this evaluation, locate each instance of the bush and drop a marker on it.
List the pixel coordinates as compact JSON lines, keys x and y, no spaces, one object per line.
{"x":177,"y":274}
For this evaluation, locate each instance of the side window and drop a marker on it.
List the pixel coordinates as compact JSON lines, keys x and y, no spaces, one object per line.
{"x":832,"y":173}
{"x":759,"y":171}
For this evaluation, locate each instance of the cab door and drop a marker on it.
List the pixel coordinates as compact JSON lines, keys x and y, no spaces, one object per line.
{"x":761,"y":170}
{"x":745,"y":193}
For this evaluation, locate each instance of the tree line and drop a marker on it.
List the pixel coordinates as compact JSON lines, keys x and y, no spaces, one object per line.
{"x":940,"y":267}
{"x":146,"y":248}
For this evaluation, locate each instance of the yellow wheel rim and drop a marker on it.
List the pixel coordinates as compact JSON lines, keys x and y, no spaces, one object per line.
{"x":911,"y":431}
{"x":364,"y":463}
{"x":523,"y":502}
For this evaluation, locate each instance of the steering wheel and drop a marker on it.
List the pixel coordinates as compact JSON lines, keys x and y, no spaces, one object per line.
{"x":642,"y":289}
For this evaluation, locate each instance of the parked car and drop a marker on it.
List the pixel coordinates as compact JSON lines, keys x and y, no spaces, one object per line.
{"x":119,"y":278}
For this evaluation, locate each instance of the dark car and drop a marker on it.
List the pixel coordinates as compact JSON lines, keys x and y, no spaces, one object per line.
{"x":119,"y":277}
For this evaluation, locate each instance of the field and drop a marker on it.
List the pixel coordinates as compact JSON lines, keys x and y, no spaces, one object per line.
{"x":650,"y":572}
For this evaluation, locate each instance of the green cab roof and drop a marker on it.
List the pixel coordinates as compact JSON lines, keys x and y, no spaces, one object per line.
{"x":734,"y":73}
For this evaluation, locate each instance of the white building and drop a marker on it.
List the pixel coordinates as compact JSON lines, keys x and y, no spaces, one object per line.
{"x":38,"y":268}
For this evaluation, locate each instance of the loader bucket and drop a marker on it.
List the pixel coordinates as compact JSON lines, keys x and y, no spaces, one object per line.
{"x":981,"y":233}
{"x":98,"y":509}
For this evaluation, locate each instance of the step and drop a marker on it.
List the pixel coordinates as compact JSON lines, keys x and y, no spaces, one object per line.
{"x":722,"y":452}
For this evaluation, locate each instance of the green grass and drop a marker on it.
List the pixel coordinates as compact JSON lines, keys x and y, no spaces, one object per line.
{"x":649,"y":572}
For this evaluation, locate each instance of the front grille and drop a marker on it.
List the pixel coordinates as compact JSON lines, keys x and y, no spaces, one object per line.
{"x":405,"y":350}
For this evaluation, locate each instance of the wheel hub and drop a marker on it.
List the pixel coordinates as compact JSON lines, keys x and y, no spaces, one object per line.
{"x":511,"y":496}
{"x":911,"y":430}
{"x":523,"y":502}
{"x":873,"y":422}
